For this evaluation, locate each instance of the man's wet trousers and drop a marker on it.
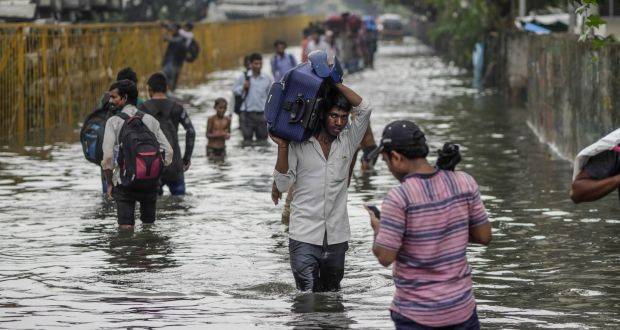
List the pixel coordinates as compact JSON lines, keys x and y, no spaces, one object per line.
{"x":317,"y":268}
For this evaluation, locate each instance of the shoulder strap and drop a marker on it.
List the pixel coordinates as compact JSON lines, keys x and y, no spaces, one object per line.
{"x":123,"y":115}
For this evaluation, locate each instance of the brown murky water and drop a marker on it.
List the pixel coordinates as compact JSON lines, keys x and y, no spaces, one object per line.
{"x":218,"y":257}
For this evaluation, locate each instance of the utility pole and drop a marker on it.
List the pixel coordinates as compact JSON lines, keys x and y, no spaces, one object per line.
{"x":522,"y":8}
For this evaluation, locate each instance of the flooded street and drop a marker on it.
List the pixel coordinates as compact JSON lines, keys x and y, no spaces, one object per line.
{"x":218,"y":258}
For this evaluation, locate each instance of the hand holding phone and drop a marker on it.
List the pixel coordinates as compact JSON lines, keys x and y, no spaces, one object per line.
{"x":374,"y":210}
{"x":374,"y":217}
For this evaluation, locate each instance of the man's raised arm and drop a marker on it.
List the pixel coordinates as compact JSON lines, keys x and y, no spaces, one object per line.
{"x":284,"y":174}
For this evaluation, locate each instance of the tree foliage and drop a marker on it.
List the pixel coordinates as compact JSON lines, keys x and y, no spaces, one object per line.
{"x":592,"y":22}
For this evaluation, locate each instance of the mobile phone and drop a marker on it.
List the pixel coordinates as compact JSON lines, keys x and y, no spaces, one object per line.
{"x":374,"y":210}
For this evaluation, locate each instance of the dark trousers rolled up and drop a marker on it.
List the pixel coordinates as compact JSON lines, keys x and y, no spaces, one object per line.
{"x":317,"y":268}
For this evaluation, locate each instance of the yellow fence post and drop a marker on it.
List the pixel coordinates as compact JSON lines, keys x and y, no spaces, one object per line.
{"x":21,"y":85}
{"x":66,"y":81}
{"x":45,"y":81}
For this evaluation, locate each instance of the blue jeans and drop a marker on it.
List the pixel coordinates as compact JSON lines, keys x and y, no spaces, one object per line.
{"x":403,"y":323}
{"x":177,"y":188}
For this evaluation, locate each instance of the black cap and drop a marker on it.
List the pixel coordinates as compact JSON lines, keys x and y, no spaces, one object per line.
{"x":400,"y":134}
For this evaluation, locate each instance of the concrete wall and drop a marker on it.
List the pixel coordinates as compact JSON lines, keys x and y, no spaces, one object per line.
{"x":573,"y":91}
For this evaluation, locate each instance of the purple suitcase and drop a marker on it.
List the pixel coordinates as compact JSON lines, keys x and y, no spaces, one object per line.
{"x":293,"y":105}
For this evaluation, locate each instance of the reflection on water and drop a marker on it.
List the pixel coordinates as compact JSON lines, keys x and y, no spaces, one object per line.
{"x":319,"y":311}
{"x":218,"y":257}
{"x":130,"y":251}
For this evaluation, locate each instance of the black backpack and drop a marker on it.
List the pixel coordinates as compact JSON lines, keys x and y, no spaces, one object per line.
{"x":174,"y":171}
{"x":139,"y":158}
{"x":239,"y":99}
{"x":192,"y":51}
{"x":91,"y":134}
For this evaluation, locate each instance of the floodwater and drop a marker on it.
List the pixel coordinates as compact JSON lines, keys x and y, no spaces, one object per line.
{"x":218,"y":258}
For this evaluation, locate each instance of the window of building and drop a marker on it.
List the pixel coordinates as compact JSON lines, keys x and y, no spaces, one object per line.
{"x":609,"y":8}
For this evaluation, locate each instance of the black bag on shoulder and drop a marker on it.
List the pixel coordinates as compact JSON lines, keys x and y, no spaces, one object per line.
{"x":192,"y":51}
{"x":139,"y":158}
{"x":239,"y":99}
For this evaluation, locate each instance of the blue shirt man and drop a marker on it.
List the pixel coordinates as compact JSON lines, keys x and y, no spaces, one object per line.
{"x":254,"y":89}
{"x":281,"y":61}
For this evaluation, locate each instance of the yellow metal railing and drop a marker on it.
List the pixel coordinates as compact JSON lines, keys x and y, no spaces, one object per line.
{"x":52,"y":75}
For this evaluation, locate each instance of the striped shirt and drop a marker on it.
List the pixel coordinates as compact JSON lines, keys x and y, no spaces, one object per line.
{"x":427,"y":220}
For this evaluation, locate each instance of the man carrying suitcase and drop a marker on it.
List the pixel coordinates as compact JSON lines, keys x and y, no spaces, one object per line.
{"x":318,"y":169}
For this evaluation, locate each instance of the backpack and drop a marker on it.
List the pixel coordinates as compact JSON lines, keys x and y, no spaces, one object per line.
{"x":91,"y":135}
{"x":192,"y":51}
{"x":238,"y":102}
{"x":275,"y":61}
{"x":139,"y":158}
{"x":239,"y":99}
{"x":174,"y":171}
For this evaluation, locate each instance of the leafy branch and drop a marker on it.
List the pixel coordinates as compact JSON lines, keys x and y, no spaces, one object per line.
{"x":592,"y":22}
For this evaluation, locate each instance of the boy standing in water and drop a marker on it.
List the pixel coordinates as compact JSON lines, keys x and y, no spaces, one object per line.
{"x":218,"y":130}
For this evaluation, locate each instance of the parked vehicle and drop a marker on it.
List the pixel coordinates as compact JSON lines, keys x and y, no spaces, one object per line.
{"x":239,"y":9}
{"x":58,"y":10}
{"x":391,"y":27}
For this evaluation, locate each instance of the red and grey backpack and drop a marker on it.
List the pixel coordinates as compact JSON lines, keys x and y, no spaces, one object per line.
{"x":139,"y":158}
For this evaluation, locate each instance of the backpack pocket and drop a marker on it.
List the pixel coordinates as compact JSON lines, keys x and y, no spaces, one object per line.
{"x":148,"y":165}
{"x":89,"y":144}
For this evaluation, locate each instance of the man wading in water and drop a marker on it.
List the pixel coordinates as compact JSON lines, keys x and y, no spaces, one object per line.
{"x":318,"y":169}
{"x":123,"y":95}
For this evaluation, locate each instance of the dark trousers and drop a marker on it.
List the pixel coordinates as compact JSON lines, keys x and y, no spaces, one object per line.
{"x":177,"y":188}
{"x":403,"y":323}
{"x":126,"y":205}
{"x":318,"y":268}
{"x":253,"y":124}
{"x":104,"y":182}
{"x":171,"y":71}
{"x":216,"y":152}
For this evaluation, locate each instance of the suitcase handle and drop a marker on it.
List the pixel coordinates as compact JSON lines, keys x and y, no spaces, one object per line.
{"x":297,"y":109}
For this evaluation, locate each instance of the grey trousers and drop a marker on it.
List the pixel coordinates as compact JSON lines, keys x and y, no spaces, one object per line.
{"x":253,"y":124}
{"x":317,"y":268}
{"x":171,"y":71}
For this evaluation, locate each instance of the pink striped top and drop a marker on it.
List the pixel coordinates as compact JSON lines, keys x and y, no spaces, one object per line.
{"x":427,"y":220}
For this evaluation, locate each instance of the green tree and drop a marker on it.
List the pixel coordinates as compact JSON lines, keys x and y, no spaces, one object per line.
{"x":592,"y":22}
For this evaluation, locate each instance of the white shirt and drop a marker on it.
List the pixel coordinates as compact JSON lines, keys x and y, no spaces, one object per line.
{"x":188,"y":35}
{"x":256,"y":96}
{"x":321,"y":45}
{"x":319,"y":203}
